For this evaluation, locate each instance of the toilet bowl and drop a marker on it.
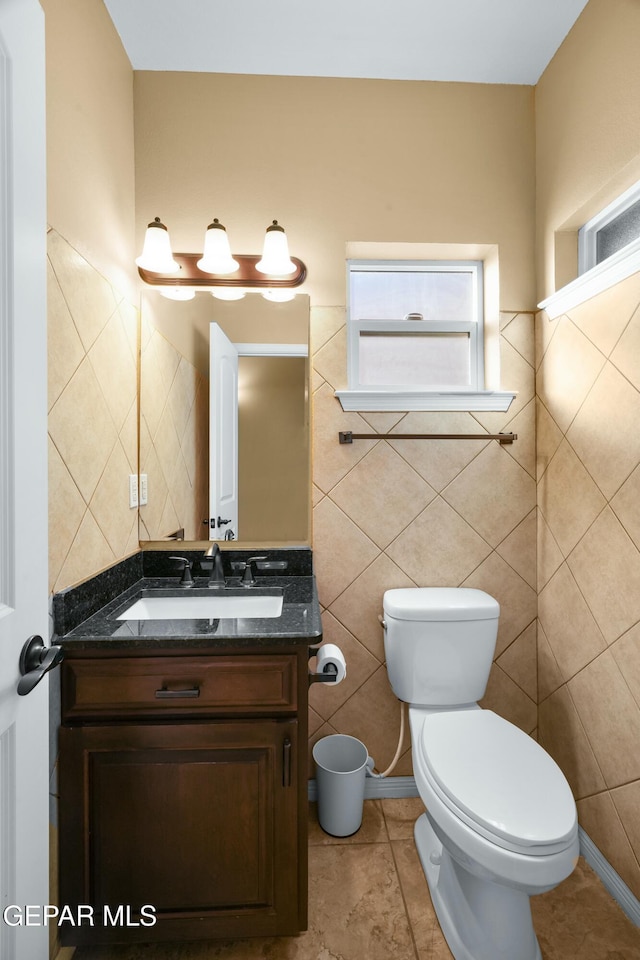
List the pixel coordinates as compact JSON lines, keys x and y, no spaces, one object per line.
{"x":500,"y":822}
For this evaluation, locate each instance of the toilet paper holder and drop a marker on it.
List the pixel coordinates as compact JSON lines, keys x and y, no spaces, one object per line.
{"x":331,"y":671}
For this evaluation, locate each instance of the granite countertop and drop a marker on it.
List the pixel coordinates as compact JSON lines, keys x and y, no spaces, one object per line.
{"x":83,"y":623}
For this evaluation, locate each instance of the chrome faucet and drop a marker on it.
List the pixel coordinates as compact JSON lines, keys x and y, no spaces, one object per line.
{"x":216,"y":576}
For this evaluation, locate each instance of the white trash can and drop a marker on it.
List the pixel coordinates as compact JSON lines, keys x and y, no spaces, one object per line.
{"x":340,"y":774}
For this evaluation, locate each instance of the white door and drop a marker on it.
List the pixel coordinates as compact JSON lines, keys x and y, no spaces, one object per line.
{"x":24,"y":772}
{"x":223,"y":436}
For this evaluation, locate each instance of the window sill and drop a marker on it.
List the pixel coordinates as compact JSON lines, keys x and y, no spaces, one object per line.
{"x":404,"y":400}
{"x":606,"y":274}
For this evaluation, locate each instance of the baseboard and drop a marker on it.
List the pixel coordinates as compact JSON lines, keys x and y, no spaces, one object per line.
{"x":611,"y":881}
{"x":378,"y":789}
{"x":398,"y":787}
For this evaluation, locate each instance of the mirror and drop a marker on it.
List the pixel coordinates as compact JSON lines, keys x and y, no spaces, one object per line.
{"x":274,"y":498}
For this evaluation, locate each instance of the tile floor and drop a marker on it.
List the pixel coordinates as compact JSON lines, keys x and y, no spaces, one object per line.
{"x":368,"y":900}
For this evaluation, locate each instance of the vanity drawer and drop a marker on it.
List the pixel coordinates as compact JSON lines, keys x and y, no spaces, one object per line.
{"x":178,"y":686}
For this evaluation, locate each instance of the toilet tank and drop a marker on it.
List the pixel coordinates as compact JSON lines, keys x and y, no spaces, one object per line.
{"x":439,"y":643}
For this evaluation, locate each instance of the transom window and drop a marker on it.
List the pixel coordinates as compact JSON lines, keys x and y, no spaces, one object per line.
{"x":415,"y":325}
{"x":610,"y":231}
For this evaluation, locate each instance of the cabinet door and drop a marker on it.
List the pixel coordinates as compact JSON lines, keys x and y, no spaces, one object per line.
{"x":198,"y":821}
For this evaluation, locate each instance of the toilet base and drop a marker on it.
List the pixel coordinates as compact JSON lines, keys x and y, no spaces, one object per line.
{"x":480,"y":920}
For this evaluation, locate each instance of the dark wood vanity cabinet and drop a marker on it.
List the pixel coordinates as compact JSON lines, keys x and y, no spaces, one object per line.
{"x":183,"y":787}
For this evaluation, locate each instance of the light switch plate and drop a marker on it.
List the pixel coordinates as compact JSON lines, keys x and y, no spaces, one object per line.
{"x":143,"y":489}
{"x":133,"y":489}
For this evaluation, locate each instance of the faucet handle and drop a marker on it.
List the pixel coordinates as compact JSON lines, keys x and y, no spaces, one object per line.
{"x":187,"y":579}
{"x":248,"y":578}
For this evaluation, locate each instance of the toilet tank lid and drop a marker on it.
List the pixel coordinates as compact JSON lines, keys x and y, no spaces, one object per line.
{"x":440,"y":603}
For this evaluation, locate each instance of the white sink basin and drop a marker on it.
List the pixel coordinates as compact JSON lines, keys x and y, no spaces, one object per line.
{"x":189,"y":607}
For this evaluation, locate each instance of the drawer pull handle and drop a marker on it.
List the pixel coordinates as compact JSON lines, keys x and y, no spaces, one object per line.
{"x":165,"y":694}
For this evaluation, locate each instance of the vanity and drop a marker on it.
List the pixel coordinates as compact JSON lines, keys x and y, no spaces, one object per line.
{"x":183,"y":750}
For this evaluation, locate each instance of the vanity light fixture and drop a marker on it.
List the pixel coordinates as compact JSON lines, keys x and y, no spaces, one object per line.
{"x":217,"y":252}
{"x":156,"y":253}
{"x":217,"y":268}
{"x":275,"y":255}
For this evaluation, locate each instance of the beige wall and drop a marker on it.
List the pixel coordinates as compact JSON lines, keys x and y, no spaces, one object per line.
{"x":586,"y":129}
{"x":588,"y":448}
{"x":90,"y":180}
{"x":337,"y":161}
{"x":92,"y":294}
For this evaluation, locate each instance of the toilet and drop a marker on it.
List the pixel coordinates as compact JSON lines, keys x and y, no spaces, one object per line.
{"x":500,"y":822}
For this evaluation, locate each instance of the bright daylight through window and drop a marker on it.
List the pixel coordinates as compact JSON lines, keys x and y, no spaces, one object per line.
{"x":415,"y":325}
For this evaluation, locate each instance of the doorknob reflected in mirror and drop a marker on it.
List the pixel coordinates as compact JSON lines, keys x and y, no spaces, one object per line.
{"x":36,"y":659}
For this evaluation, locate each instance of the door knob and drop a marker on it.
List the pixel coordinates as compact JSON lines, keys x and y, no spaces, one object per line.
{"x":36,"y":659}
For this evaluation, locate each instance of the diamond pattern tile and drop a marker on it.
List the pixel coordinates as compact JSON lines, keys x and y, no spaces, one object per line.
{"x":588,"y":503}
{"x":382,"y":494}
{"x":89,"y":297}
{"x":341,"y":550}
{"x":603,"y":318}
{"x":568,"y":498}
{"x":519,"y":332}
{"x":331,"y":360}
{"x":82,"y":429}
{"x":519,"y":549}
{"x":439,"y":461}
{"x":604,"y":433}
{"x":359,"y":607}
{"x":332,"y":460}
{"x":439,"y":548}
{"x":92,"y":420}
{"x":493,"y":494}
{"x":516,"y":598}
{"x":327,"y":698}
{"x":571,"y":366}
{"x":606,"y":565}
{"x":569,"y":625}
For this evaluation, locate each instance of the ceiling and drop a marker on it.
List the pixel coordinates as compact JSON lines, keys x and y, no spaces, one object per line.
{"x":476,"y":41}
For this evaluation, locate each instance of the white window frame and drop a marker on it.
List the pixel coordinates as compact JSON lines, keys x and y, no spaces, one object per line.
{"x":595,"y":278}
{"x":473,"y":326}
{"x":362,"y":396}
{"x":588,"y":233}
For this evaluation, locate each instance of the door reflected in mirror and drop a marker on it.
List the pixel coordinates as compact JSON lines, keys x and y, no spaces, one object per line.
{"x":175,"y":419}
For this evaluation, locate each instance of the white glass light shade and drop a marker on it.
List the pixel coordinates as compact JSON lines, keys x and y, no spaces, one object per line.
{"x":227,"y":293}
{"x":275,"y":254}
{"x":177,"y":293}
{"x":156,"y":253}
{"x":216,"y":257}
{"x":279,"y":296}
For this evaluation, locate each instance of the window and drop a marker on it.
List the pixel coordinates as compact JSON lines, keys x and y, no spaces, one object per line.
{"x":415,"y":325}
{"x":610,"y":231}
{"x":608,"y":252}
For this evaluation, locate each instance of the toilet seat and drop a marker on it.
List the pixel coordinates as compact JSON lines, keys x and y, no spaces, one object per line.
{"x":498,"y":780}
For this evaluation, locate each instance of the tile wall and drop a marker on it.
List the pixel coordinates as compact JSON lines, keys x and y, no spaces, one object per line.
{"x":93,"y":410}
{"x":404,"y":513}
{"x":174,"y":440}
{"x":588,"y":473}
